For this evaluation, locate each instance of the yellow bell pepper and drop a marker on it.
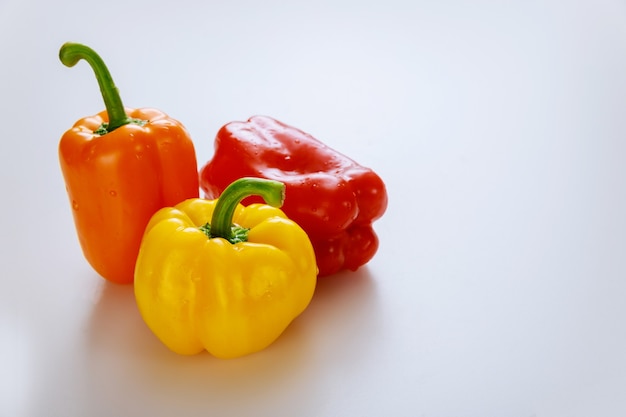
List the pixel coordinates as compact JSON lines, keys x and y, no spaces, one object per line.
{"x":215,"y":275}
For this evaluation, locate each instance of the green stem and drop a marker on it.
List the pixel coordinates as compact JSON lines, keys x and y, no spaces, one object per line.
{"x":70,"y":54}
{"x":273,"y":192}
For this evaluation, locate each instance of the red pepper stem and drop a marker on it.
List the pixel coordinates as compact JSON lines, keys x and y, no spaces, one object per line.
{"x":273,"y":192}
{"x":70,"y":54}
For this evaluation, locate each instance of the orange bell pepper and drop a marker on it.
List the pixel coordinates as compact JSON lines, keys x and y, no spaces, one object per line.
{"x":120,"y":167}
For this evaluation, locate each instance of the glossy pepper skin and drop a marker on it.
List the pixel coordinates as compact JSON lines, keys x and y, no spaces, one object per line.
{"x":118,"y":177}
{"x":215,"y":275}
{"x":333,"y":198}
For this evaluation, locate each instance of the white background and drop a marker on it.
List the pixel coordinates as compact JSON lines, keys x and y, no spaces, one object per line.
{"x":498,"y":127}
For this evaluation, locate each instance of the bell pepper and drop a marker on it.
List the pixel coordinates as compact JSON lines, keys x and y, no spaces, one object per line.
{"x":333,"y":198}
{"x":120,"y":166}
{"x":215,"y":275}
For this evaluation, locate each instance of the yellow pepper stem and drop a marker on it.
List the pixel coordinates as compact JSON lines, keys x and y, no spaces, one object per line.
{"x":273,"y":192}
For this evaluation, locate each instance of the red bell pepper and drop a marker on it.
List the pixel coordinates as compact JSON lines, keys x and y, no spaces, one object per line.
{"x":334,"y":199}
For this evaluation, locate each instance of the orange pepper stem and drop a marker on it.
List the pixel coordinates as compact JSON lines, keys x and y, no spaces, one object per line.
{"x":273,"y":192}
{"x":70,"y":54}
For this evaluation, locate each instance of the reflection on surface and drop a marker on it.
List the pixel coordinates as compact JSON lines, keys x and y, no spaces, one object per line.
{"x":122,"y":355}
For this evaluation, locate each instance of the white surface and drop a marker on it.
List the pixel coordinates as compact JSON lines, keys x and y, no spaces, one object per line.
{"x":499,"y":128}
